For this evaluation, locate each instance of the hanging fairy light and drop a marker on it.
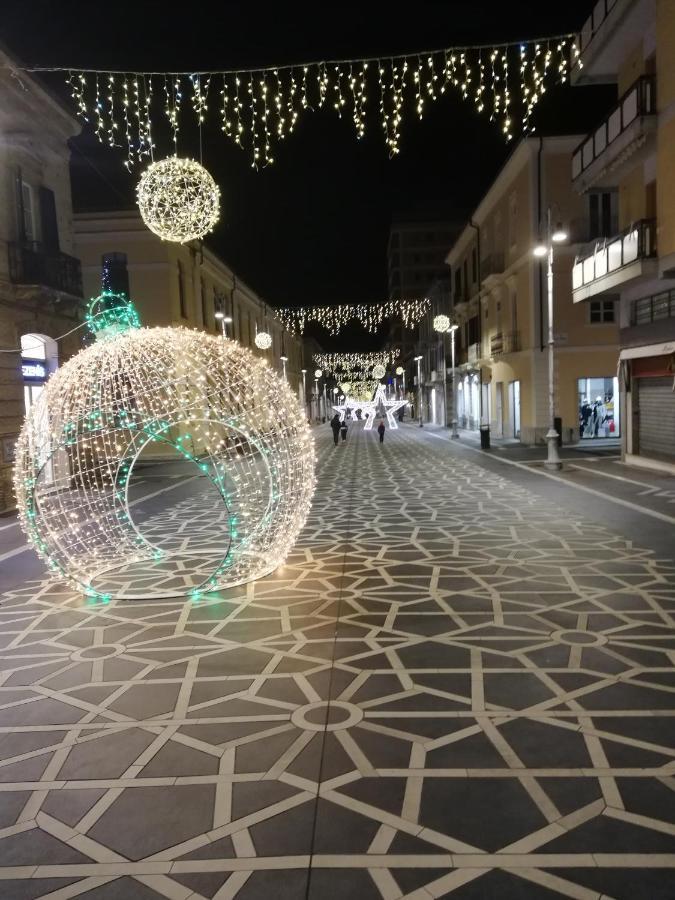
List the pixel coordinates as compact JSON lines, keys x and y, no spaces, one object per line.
{"x":441,"y":323}
{"x":354,"y":366}
{"x":178,"y":199}
{"x":210,"y":401}
{"x":261,"y":107}
{"x":370,"y":315}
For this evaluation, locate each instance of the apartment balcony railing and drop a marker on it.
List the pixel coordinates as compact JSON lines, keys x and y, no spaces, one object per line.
{"x":31,"y":264}
{"x":638,"y":101}
{"x":492,"y":265}
{"x":593,"y":23}
{"x":610,"y":255}
{"x":504,"y":342}
{"x":651,"y":309}
{"x":473,"y":353}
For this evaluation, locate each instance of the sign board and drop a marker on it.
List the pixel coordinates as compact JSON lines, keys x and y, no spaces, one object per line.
{"x":33,"y":369}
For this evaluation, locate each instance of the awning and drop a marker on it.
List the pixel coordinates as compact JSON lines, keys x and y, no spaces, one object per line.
{"x":650,"y":350}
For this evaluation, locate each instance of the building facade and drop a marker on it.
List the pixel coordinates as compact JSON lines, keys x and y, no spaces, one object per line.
{"x":40,"y":278}
{"x":181,"y":285}
{"x":499,"y":302}
{"x":624,"y":169}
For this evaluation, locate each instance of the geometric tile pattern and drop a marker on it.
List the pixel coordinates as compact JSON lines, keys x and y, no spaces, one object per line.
{"x":451,"y":689}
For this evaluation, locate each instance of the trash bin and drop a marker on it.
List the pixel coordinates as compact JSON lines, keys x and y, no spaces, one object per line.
{"x":557,"y":422}
{"x":484,"y":437}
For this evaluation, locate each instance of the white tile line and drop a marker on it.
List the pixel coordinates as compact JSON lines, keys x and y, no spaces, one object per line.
{"x":578,"y":487}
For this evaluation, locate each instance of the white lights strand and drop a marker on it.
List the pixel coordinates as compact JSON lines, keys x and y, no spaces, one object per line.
{"x":354,"y":366}
{"x":371,"y":315}
{"x":209,"y":400}
{"x":513,"y":75}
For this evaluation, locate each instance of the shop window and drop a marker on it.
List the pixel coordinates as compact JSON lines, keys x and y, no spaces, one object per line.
{"x":599,"y":408}
{"x":602,"y":311}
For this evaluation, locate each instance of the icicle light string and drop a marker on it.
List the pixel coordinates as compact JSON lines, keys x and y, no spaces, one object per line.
{"x":370,"y":315}
{"x":260,"y":106}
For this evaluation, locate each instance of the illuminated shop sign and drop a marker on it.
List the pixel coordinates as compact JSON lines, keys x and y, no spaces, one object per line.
{"x":33,"y":369}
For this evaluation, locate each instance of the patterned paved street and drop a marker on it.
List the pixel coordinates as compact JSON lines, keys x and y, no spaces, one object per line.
{"x":452,"y":689}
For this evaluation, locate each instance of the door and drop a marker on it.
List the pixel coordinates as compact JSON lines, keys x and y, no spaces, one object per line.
{"x":656,"y":404}
{"x":514,"y":408}
{"x":499,"y":410}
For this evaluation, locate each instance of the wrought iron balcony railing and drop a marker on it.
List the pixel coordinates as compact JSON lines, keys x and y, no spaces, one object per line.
{"x":504,"y":342}
{"x":32,"y":264}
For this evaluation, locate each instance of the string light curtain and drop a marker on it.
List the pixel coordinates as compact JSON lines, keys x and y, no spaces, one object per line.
{"x":353,"y":366}
{"x":370,"y":315}
{"x":258,"y":108}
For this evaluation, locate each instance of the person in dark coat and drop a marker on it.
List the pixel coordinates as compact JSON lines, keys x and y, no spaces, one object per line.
{"x":335,"y":425}
{"x":343,"y":430}
{"x":380,"y":430}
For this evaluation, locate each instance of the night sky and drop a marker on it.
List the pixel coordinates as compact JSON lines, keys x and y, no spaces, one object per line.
{"x":313,"y":227}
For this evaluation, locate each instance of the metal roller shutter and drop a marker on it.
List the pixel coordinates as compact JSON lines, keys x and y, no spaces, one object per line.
{"x":657,"y":417}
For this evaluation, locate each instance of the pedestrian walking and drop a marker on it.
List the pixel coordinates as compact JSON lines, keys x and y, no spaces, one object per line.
{"x":335,"y":425}
{"x":380,"y":430}
{"x":343,"y":430}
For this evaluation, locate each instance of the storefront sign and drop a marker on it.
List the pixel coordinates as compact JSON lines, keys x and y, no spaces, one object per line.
{"x":33,"y":369}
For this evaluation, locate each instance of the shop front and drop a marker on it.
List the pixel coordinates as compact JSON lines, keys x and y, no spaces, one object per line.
{"x":648,"y":374}
{"x":599,"y":408}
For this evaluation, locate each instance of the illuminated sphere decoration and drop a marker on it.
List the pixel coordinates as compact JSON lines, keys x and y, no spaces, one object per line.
{"x":263,"y":340}
{"x":400,"y":370}
{"x":178,"y":199}
{"x":379,"y":371}
{"x":441,"y":323}
{"x":214,"y":408}
{"x":318,"y":373}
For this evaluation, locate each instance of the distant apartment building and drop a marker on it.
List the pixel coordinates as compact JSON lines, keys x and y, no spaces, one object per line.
{"x":625,"y":170}
{"x":499,"y":302}
{"x":416,"y":260}
{"x":40,"y":279}
{"x":181,"y":284}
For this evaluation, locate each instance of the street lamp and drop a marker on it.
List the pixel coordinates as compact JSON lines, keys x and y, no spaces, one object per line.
{"x":284,"y":360}
{"x":555,"y":235}
{"x":418,"y":360}
{"x":304,"y":389}
{"x":441,"y":327}
{"x":224,"y":321}
{"x":401,"y":371}
{"x":454,"y":433}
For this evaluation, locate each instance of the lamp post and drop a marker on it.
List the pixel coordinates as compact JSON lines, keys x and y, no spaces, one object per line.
{"x":401,"y":371}
{"x":224,"y":321}
{"x":284,"y":360}
{"x":441,"y":327}
{"x":418,"y":360}
{"x":304,"y":389}
{"x":553,"y":236}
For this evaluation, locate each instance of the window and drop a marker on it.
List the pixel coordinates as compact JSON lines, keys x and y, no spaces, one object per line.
{"x":181,"y":292}
{"x":28,"y":213}
{"x":458,"y":284}
{"x":465,"y":277}
{"x":513,"y":218}
{"x":202,"y":288}
{"x":602,"y":217}
{"x":601,"y":311}
{"x":474,"y":266}
{"x":114,"y":273}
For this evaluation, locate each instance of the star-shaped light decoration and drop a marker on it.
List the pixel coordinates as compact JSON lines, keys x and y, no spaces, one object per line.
{"x":372,"y":407}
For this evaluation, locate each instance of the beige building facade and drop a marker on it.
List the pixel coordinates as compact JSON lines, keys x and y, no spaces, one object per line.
{"x":180,"y":285}
{"x":628,"y":161}
{"x":40,"y":278}
{"x":499,"y":302}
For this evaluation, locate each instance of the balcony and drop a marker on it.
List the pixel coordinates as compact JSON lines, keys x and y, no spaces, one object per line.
{"x":492,"y":265}
{"x":606,"y":38}
{"x":618,"y":137}
{"x":31,"y":264}
{"x":613,"y":262}
{"x":473,"y":354}
{"x":504,"y":342}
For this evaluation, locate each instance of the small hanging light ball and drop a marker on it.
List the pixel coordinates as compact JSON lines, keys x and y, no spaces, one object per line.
{"x":379,"y":371}
{"x":441,"y":323}
{"x":400,"y":370}
{"x":178,"y":199}
{"x":318,"y":373}
{"x":263,"y":340}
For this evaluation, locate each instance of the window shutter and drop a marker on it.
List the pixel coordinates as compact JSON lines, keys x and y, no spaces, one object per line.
{"x":50,"y":228}
{"x":21,"y":223}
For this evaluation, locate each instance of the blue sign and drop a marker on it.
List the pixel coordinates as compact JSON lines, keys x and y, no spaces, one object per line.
{"x":33,"y":369}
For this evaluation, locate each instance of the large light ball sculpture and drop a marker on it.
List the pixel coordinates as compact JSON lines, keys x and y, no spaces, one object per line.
{"x":178,"y":199}
{"x":263,"y":340}
{"x":379,"y":371}
{"x":441,"y":323}
{"x":208,"y":401}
